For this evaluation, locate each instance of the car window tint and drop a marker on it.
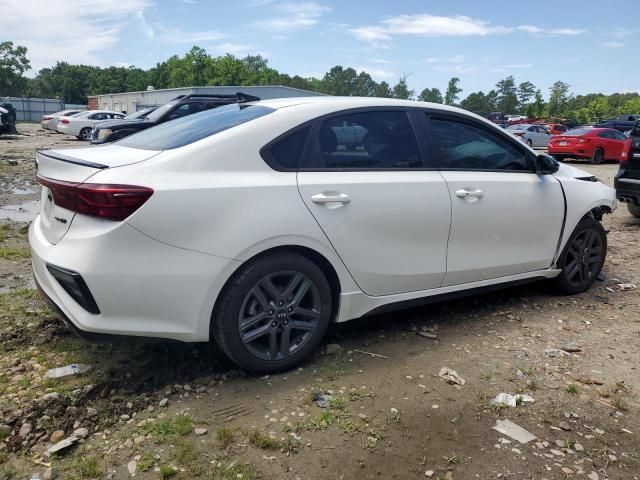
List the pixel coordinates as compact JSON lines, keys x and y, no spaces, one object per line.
{"x":619,"y":135}
{"x":605,"y":134}
{"x":287,"y":152}
{"x":462,"y":146}
{"x":367,"y":140}
{"x":181,"y":111}
{"x":192,"y":128}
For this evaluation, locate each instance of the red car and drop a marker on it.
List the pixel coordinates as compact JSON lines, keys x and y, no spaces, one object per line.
{"x":594,"y":144}
{"x":555,"y":128}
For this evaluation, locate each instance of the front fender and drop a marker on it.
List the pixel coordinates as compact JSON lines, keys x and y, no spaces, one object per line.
{"x":582,"y":197}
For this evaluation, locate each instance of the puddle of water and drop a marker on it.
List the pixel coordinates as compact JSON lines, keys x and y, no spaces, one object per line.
{"x":25,"y":212}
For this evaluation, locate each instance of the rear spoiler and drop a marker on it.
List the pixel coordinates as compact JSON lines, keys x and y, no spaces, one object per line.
{"x":239,"y":97}
{"x":67,"y":159}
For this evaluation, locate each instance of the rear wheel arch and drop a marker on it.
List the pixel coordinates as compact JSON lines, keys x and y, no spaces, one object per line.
{"x":317,"y":258}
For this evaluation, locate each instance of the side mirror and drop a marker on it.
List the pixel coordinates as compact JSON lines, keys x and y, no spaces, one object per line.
{"x":546,"y":165}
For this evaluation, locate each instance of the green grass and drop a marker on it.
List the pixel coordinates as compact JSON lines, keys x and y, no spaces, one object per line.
{"x":146,"y":462}
{"x":337,"y":403}
{"x":86,"y":467}
{"x":167,"y":471}
{"x":322,"y":421}
{"x":8,"y":472}
{"x":169,"y":428}
{"x":225,"y":437}
{"x":572,"y":388}
{"x":11,"y":253}
{"x":235,"y":471}
{"x":187,"y":456}
{"x":263,"y":441}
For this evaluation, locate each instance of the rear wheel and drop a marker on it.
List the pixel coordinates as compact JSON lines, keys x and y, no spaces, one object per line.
{"x":582,"y":258}
{"x":85,"y":134}
{"x":597,"y":157}
{"x":634,"y":209}
{"x":274,"y":313}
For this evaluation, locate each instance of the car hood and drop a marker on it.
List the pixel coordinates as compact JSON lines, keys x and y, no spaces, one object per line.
{"x":120,"y":124}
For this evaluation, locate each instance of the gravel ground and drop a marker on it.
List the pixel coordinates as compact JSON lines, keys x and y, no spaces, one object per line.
{"x":182,"y":411}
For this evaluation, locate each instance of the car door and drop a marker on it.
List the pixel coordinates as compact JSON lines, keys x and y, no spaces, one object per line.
{"x":605,"y":141}
{"x":506,"y":219}
{"x":532,"y":134}
{"x":543,"y":137}
{"x":617,"y":145}
{"x":385,"y":214}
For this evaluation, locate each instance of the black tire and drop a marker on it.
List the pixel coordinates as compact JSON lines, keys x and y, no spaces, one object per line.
{"x":559,"y":158}
{"x":597,"y":157}
{"x":634,"y":209}
{"x":586,"y":251}
{"x":85,"y":134}
{"x":243,"y":299}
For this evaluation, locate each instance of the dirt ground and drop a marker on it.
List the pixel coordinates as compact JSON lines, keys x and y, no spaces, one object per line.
{"x":169,"y":410}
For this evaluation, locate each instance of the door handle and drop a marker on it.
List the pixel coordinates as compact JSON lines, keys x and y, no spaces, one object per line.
{"x":469,"y":194}
{"x":330,"y":197}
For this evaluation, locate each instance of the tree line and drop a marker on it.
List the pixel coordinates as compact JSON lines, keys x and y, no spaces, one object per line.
{"x":73,"y":83}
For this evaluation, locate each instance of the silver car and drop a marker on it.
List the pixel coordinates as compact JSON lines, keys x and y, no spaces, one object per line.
{"x":535,"y":136}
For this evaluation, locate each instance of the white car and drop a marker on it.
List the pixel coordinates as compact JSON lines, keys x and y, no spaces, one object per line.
{"x":254,"y":225}
{"x":533,"y":135}
{"x":50,"y":120}
{"x":80,"y":125}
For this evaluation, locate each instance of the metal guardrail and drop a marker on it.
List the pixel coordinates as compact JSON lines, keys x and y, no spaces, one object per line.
{"x":30,"y":109}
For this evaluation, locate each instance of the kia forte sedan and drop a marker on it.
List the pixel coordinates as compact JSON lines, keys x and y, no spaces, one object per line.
{"x":256,"y":225}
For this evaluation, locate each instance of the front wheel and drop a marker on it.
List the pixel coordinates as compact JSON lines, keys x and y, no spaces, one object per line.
{"x":582,"y":258}
{"x":634,"y":209}
{"x":273,"y":313}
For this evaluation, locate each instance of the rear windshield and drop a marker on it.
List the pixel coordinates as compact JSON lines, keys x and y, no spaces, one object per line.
{"x":189,"y":129}
{"x":517,"y":127}
{"x":576,"y":132}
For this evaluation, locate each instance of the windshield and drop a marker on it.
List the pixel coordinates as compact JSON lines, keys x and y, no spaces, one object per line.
{"x":189,"y":129}
{"x":157,"y":114}
{"x":140,"y":113}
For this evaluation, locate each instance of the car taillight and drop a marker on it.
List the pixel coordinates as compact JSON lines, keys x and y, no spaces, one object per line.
{"x":64,"y":120}
{"x":110,"y":202}
{"x":626,"y":151}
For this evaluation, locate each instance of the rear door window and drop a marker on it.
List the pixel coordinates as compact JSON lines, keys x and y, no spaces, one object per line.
{"x":286,"y":153}
{"x":370,"y":140}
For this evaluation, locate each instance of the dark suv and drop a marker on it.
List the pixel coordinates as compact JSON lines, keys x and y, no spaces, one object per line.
{"x":181,"y":106}
{"x":627,"y":181}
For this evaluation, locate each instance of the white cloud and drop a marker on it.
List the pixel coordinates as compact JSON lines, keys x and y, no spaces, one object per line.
{"x":236,"y":49}
{"x":376,"y":72}
{"x":76,"y":32}
{"x":517,"y":65}
{"x":432,"y":60}
{"x":190,"y":2}
{"x":293,"y":16}
{"x":622,"y":32}
{"x":427,"y":25}
{"x":613,"y":44}
{"x":532,"y":29}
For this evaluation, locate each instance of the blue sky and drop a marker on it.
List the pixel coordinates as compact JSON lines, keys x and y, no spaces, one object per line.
{"x":588,"y":44}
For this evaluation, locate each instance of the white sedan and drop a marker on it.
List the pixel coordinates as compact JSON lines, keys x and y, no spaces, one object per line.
{"x":81,"y":124}
{"x":256,"y":225}
{"x":535,"y":136}
{"x":50,"y":120}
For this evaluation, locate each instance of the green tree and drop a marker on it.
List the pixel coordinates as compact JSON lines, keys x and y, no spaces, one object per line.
{"x":599,"y":108}
{"x":453,"y":91}
{"x":383,"y":90}
{"x":507,"y":95}
{"x":431,"y":95}
{"x":526,"y":91}
{"x":479,"y":103}
{"x":13,"y":64}
{"x":559,"y":99}
{"x":401,"y":90}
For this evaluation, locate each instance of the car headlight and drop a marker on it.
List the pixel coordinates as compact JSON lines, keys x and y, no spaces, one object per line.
{"x":104,"y":133}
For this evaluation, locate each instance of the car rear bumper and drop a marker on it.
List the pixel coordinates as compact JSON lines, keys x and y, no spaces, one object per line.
{"x":567,"y":152}
{"x":142,"y":288}
{"x":628,"y":190}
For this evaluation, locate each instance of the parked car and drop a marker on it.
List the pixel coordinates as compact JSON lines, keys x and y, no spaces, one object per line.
{"x":180,"y":106}
{"x":627,"y":180}
{"x":254,"y":225}
{"x":7,"y":118}
{"x":532,"y":135}
{"x":50,"y":121}
{"x":623,"y":123}
{"x":555,"y":128}
{"x":594,"y":144}
{"x":80,"y":125}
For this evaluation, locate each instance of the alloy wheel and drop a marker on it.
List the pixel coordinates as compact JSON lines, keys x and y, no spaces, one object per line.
{"x":279,"y":315}
{"x":584,"y":257}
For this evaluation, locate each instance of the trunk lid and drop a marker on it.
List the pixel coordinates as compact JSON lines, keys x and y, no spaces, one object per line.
{"x":75,"y":166}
